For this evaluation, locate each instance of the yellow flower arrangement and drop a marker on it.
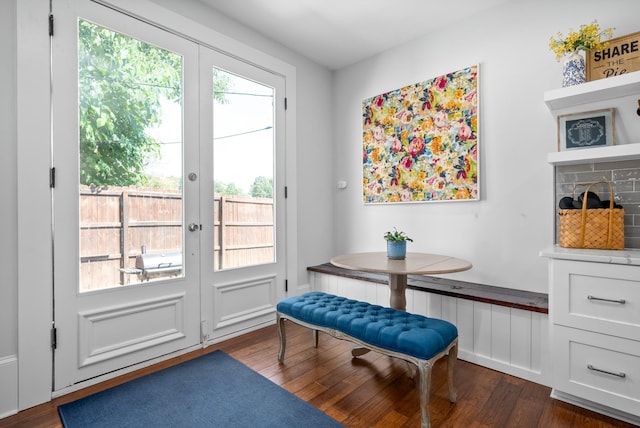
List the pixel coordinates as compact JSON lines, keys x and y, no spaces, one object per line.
{"x":589,"y":37}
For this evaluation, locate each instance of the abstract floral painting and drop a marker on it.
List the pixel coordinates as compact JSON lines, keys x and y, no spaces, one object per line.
{"x":420,"y":142}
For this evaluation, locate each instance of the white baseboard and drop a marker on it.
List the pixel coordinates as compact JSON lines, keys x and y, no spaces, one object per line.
{"x":9,"y":382}
{"x":599,"y":408}
{"x":522,"y":373}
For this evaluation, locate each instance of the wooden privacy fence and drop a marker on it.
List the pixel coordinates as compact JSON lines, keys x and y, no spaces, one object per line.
{"x":243,"y":231}
{"x":118,"y":224}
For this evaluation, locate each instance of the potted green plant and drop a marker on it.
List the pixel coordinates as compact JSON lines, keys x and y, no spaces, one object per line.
{"x":396,"y":244}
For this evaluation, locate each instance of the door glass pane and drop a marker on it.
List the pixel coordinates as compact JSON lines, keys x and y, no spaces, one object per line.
{"x":130,"y":152}
{"x":243,"y":171}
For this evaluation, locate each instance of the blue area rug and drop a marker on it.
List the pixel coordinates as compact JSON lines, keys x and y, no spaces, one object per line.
{"x":214,"y":390}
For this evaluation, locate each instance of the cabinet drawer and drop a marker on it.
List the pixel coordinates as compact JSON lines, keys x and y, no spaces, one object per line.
{"x":597,"y":367}
{"x":598,"y":297}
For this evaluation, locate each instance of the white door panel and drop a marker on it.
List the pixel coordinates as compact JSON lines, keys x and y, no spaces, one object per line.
{"x":109,"y":332}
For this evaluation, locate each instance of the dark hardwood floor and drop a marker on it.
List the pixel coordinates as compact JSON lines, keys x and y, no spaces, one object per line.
{"x":370,"y":391}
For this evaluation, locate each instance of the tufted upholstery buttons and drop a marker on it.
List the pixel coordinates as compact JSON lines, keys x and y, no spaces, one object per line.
{"x":382,"y":327}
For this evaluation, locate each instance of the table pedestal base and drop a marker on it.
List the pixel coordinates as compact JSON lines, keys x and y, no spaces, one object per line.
{"x":398,"y":285}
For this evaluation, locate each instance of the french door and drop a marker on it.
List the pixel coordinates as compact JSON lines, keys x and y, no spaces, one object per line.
{"x":109,"y":81}
{"x":147,"y":262}
{"x":243,"y":145}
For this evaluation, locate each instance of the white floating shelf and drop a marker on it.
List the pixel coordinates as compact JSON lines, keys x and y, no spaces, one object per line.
{"x":596,"y":90}
{"x":595,"y":155}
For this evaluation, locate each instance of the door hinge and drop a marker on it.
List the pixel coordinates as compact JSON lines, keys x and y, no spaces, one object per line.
{"x":54,"y":338}
{"x":51,"y":25}
{"x":286,"y":285}
{"x":52,"y":177}
{"x":285,"y":103}
{"x":285,"y":192}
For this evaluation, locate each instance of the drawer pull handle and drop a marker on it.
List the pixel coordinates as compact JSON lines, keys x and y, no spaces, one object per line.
{"x":602,"y":299}
{"x":590,"y":367}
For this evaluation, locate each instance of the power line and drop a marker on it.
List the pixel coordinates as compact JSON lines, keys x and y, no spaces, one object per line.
{"x":244,"y":133}
{"x":244,"y":93}
{"x":166,"y":143}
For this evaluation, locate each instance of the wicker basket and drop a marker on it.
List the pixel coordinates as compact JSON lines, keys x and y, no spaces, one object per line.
{"x":600,"y":228}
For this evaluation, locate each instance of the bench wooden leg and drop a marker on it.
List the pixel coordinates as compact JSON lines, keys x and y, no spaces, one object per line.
{"x":282,"y":336}
{"x":424,"y":369}
{"x":424,"y":383}
{"x":451,"y":364}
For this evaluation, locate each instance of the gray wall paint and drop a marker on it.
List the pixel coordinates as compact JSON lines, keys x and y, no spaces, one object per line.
{"x":8,"y":190}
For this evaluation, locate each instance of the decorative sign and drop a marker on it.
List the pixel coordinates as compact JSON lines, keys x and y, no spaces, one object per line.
{"x":620,"y":57}
{"x":420,"y":142}
{"x":584,"y":130}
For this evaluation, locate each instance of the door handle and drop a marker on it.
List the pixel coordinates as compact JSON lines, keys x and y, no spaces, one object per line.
{"x":193,"y":227}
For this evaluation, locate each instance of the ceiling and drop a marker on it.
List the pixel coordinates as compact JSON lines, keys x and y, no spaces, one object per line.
{"x":338,"y":33}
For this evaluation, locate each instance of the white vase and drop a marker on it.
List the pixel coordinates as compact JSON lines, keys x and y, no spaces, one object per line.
{"x":573,"y":70}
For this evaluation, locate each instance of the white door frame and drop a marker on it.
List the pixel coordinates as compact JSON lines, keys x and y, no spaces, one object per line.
{"x":34,"y":160}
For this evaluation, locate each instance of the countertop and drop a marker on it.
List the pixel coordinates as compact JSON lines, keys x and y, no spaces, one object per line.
{"x":620,"y":257}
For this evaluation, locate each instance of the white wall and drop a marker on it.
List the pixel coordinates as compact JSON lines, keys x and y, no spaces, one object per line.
{"x":8,"y":195}
{"x":502,"y":233}
{"x":8,"y":210}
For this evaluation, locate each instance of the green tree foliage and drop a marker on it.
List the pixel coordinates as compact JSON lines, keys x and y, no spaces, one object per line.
{"x":229,"y":189}
{"x":122,"y":83}
{"x":262,"y":187}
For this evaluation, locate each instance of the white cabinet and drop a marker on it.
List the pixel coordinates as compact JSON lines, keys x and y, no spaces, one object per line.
{"x":595,"y":329}
{"x":594,"y":295}
{"x":600,"y":297}
{"x":599,"y":368}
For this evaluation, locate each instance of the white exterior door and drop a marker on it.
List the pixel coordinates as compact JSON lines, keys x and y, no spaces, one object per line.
{"x":126,"y":226}
{"x":243,"y":254}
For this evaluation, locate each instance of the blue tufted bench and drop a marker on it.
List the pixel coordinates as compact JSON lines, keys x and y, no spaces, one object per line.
{"x":413,"y":338}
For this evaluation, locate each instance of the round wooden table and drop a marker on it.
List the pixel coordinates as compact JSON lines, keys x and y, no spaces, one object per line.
{"x":413,"y":264}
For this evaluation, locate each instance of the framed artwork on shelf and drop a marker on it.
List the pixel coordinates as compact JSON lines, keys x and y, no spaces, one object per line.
{"x":585,"y":130}
{"x":420,"y":142}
